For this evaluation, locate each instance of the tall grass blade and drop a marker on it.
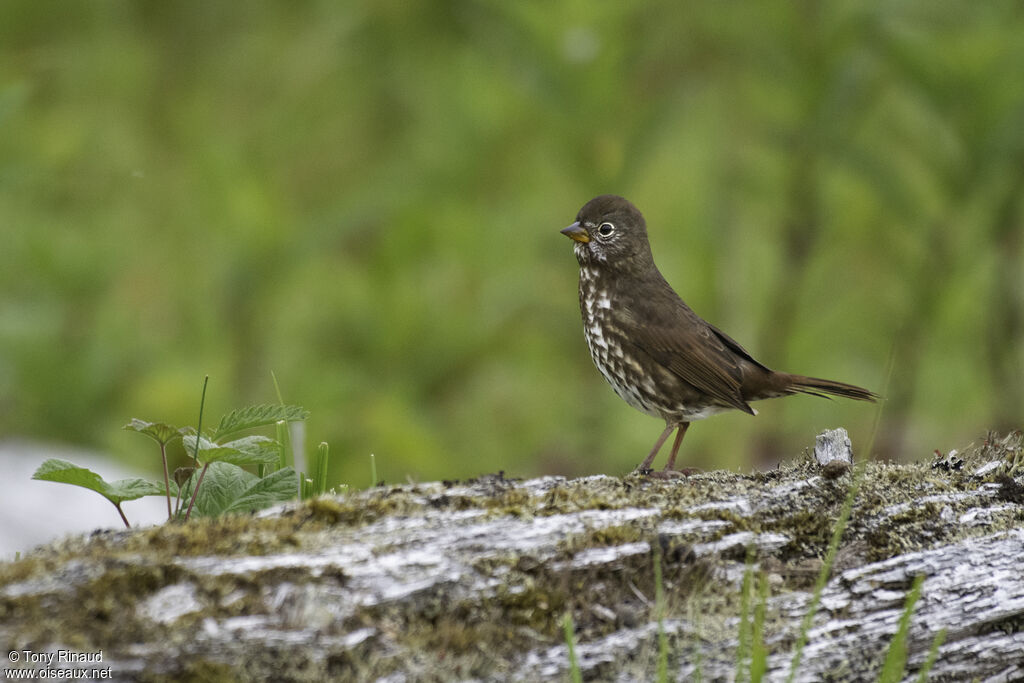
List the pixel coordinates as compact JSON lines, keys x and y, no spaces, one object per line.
{"x":575,"y":675}
{"x":320,"y":470}
{"x":743,"y":647}
{"x":758,"y":651}
{"x":659,"y":608}
{"x":837,"y":534}
{"x":826,"y":569}
{"x":195,"y":450}
{"x":896,"y":657}
{"x":933,"y":654}
{"x":284,"y":442}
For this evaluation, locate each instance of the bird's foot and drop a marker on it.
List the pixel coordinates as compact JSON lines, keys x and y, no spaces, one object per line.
{"x":660,"y":474}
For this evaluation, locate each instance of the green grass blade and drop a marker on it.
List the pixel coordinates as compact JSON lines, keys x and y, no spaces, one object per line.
{"x":896,"y":657}
{"x":746,"y":588}
{"x":758,"y":651}
{"x":284,"y":439}
{"x":659,"y":608}
{"x":695,"y":619}
{"x":277,"y":388}
{"x":826,"y":569}
{"x":320,"y":473}
{"x":575,"y":675}
{"x":199,"y":426}
{"x":933,"y":654}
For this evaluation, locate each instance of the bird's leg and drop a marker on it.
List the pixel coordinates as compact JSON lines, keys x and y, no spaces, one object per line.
{"x":683,"y":426}
{"x":645,"y":466}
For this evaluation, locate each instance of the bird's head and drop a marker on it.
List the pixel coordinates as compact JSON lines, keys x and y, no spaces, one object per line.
{"x":610,"y":232}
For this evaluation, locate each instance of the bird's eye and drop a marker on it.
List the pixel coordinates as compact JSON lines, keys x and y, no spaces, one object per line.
{"x":605,"y":229}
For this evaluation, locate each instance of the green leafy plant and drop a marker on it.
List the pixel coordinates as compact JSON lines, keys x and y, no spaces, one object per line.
{"x":229,"y":487}
{"x":217,"y":482}
{"x":229,"y":480}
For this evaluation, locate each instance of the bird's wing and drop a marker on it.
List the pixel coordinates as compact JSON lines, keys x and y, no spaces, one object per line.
{"x":668,"y":331}
{"x":734,"y":345}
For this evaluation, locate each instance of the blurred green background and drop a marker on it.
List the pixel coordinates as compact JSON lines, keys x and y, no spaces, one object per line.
{"x":365,"y":198}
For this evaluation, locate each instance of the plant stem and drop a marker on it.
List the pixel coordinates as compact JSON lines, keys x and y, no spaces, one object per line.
{"x":199,"y":427}
{"x":177,"y":500}
{"x":195,"y":451}
{"x":167,"y":479}
{"x":123,"y":518}
{"x":195,"y":491}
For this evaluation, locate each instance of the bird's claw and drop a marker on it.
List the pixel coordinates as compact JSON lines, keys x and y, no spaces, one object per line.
{"x":660,"y":474}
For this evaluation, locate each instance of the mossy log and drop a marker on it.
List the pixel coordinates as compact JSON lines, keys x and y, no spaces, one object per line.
{"x":472,"y":580}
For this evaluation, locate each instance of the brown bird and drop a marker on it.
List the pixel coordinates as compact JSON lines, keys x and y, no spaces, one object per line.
{"x":659,"y":356}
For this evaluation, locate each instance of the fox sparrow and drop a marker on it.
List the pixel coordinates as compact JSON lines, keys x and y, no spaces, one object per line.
{"x":658,"y":355}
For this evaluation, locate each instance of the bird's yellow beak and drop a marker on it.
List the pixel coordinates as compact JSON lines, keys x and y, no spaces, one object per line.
{"x":577,"y":233}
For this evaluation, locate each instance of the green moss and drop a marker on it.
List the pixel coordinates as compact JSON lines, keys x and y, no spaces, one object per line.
{"x":606,"y":536}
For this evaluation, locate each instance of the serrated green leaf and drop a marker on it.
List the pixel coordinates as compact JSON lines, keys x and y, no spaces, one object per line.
{"x":278,"y":487}
{"x":131,"y":489}
{"x":257,"y":416}
{"x":160,"y":432}
{"x":222,"y":485}
{"x":208,"y":450}
{"x":254,"y":450}
{"x":64,"y":472}
{"x":189,"y":442}
{"x":68,"y":473}
{"x":228,"y":488}
{"x":249,"y":450}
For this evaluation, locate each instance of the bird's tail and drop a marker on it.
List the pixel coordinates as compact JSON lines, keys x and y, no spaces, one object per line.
{"x":798,"y":384}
